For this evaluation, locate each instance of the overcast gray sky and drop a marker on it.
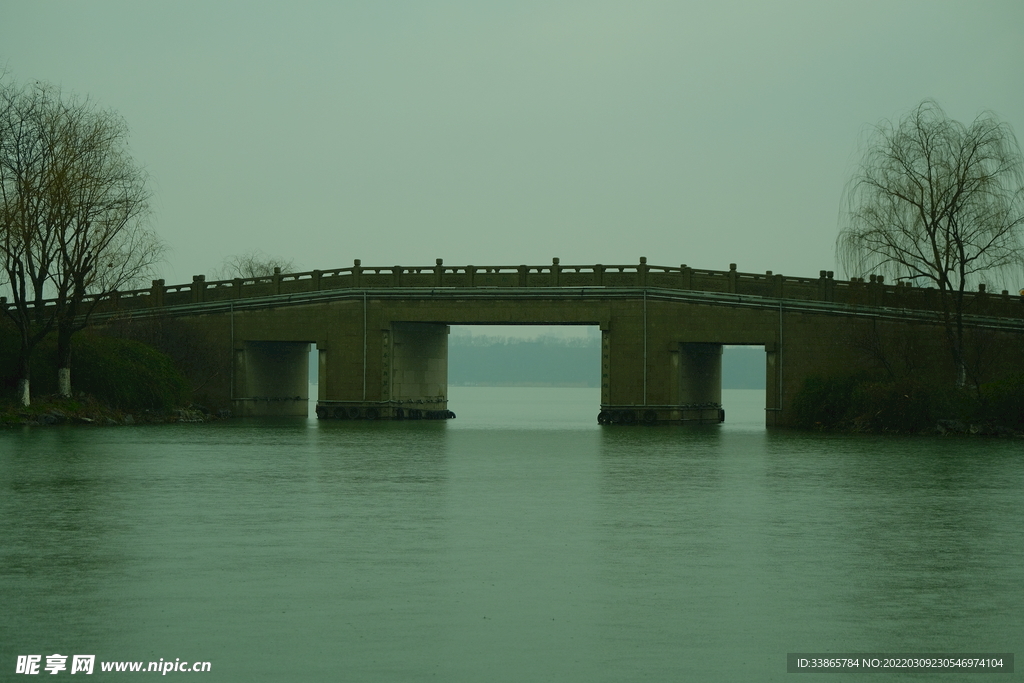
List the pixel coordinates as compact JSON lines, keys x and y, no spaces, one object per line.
{"x":500,"y":133}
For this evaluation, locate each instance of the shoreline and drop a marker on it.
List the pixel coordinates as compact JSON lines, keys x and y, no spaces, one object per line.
{"x":52,"y":411}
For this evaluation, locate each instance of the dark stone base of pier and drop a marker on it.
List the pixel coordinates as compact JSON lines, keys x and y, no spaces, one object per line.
{"x":339,"y":410}
{"x":710,"y":413}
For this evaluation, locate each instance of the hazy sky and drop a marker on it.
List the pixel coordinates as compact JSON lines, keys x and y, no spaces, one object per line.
{"x":500,"y":133}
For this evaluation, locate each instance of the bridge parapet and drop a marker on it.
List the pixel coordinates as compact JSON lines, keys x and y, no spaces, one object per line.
{"x":874,"y":292}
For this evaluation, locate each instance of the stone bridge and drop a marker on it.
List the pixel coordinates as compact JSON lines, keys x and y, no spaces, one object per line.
{"x":381,"y":332}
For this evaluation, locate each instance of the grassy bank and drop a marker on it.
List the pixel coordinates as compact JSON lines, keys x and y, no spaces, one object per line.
{"x":112,"y":379}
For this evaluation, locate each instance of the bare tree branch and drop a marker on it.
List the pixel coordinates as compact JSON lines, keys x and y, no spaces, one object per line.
{"x":253,"y":263}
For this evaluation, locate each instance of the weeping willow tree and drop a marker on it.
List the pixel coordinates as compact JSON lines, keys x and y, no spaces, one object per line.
{"x":938,"y":203}
{"x":253,"y":263}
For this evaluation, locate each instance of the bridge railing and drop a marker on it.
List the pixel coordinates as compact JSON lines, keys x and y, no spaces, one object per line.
{"x":873,"y":292}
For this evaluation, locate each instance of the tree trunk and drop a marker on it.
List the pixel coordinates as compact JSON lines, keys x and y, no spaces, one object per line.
{"x":960,"y":352}
{"x":24,"y":395}
{"x":64,"y":361}
{"x":64,"y":382}
{"x":961,"y":368}
{"x":953,"y":321}
{"x":23,"y":392}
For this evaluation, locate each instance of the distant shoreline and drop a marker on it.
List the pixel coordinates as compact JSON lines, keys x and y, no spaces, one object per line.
{"x":550,"y":385}
{"x":543,"y":385}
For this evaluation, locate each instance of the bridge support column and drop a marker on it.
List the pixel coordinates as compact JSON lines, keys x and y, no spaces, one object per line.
{"x":700,"y":374}
{"x":271,"y":378}
{"x":650,"y":377}
{"x":404,"y":376}
{"x":772,"y":394}
{"x":419,"y":371}
{"x":694,"y":386}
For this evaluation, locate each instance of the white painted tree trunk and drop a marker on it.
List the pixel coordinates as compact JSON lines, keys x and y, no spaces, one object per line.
{"x":23,"y":392}
{"x":64,"y":382}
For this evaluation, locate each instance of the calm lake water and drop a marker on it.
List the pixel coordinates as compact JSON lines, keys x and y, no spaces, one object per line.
{"x":519,"y":542}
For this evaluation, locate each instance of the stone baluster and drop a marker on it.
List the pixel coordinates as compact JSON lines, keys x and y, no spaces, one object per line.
{"x":198,"y":288}
{"x":157,"y":293}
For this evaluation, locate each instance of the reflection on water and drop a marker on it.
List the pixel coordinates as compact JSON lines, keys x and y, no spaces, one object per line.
{"x":520,"y":541}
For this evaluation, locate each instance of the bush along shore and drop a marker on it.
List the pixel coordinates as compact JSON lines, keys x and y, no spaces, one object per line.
{"x":116,"y":382}
{"x":861,"y":404}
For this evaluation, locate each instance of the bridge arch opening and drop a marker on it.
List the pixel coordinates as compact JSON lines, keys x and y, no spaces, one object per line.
{"x":744,"y":381}
{"x":525,"y":355}
{"x":544,"y":376}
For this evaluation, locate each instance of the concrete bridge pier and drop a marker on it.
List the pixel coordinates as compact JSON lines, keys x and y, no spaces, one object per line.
{"x":700,"y":383}
{"x":394,"y":371}
{"x":418,"y":387}
{"x":650,"y":377}
{"x":271,"y":378}
{"x":773,"y":378}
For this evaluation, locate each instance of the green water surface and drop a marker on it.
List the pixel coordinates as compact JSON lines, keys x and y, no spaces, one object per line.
{"x":519,"y":542}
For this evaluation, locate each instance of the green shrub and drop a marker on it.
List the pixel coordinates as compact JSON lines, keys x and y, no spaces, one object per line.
{"x":126,"y":374}
{"x":1002,"y":402}
{"x":824,"y":403}
{"x":894,"y":406}
{"x":863,"y":404}
{"x":118,"y":372}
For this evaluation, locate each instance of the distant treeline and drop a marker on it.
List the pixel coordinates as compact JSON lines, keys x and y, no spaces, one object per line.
{"x":549,"y":361}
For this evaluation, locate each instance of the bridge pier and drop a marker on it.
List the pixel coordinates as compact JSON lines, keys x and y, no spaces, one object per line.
{"x":649,"y":377}
{"x":413,"y":372}
{"x":700,"y":373}
{"x":418,"y":386}
{"x":271,"y":378}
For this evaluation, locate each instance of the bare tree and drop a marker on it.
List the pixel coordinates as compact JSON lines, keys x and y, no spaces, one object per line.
{"x":101,"y":205}
{"x":937,"y":202}
{"x":27,"y":246}
{"x":253,"y":263}
{"x":75,"y":207}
